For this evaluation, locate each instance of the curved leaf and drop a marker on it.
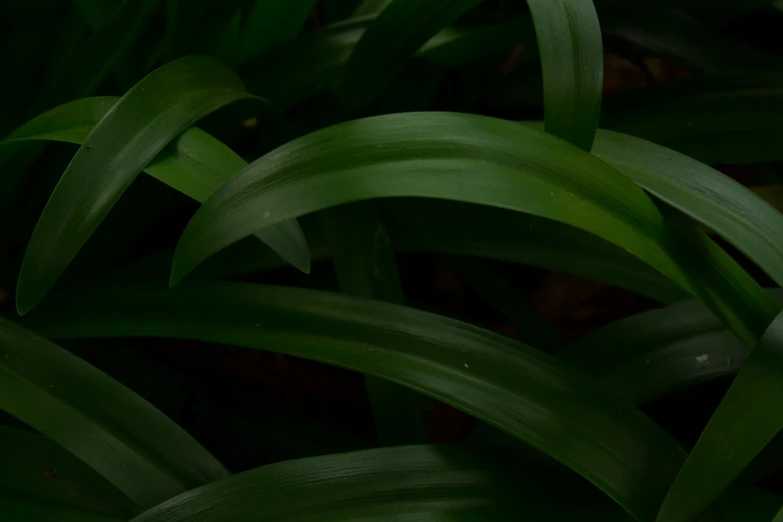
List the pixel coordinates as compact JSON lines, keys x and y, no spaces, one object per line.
{"x":423,"y":483}
{"x":479,"y":160}
{"x":516,"y":388}
{"x":572,"y":60}
{"x":569,"y":40}
{"x":195,"y":164}
{"x":37,"y":469}
{"x":744,"y":219}
{"x":748,"y":417}
{"x":113,"y":430}
{"x":132,"y":133}
{"x":424,"y":225}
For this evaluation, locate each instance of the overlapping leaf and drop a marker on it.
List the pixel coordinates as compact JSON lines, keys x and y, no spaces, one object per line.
{"x":478,"y":160}
{"x":195,"y":164}
{"x":514,"y":387}
{"x":748,"y":417}
{"x":117,"y":433}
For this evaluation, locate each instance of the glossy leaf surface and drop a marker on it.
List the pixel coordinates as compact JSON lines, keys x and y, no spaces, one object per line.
{"x":195,"y":164}
{"x":479,"y":160}
{"x":516,"y":388}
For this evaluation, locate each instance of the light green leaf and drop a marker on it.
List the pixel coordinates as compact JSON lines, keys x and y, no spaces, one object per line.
{"x":517,"y":388}
{"x":113,"y":430}
{"x":195,"y":164}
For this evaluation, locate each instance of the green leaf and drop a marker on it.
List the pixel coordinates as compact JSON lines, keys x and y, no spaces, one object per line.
{"x":132,"y":133}
{"x":572,"y":60}
{"x":422,"y":483}
{"x":522,"y":315}
{"x":748,"y":417}
{"x":195,"y":164}
{"x":654,"y":353}
{"x":424,"y":225}
{"x":114,"y":431}
{"x":20,"y":509}
{"x":723,"y":119}
{"x":36,"y":469}
{"x":517,"y":388}
{"x":364,"y":261}
{"x":744,"y":219}
{"x":478,"y":160}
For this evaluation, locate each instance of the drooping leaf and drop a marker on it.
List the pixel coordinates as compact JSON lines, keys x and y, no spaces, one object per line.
{"x":37,"y":469}
{"x":364,"y":261}
{"x":421,"y":225}
{"x":423,"y":483}
{"x":514,"y":387}
{"x":195,"y":164}
{"x":715,"y":200}
{"x":113,"y":430}
{"x":748,"y":417}
{"x":478,"y":160}
{"x":132,"y":133}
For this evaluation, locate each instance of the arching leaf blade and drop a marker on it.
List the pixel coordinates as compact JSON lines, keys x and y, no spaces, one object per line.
{"x":131,"y":134}
{"x":715,"y":200}
{"x":572,"y":61}
{"x":490,"y":376}
{"x":477,"y":160}
{"x":113,"y":430}
{"x":195,"y":164}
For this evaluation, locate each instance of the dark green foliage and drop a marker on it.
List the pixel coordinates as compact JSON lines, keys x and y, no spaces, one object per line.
{"x":403,"y":135}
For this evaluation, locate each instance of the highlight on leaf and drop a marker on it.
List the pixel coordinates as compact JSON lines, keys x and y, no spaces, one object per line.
{"x":393,"y":260}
